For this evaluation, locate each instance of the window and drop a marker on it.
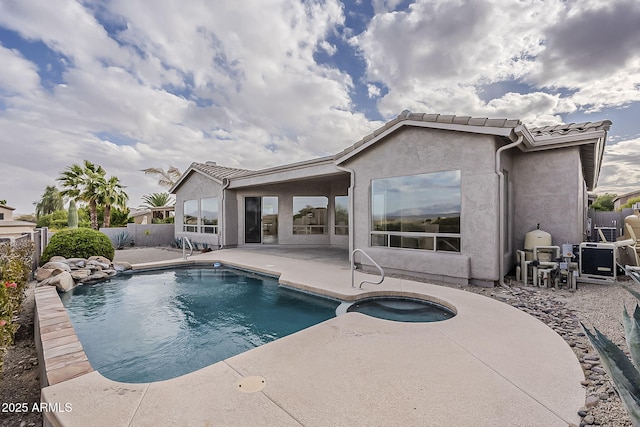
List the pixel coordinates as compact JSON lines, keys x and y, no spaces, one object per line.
{"x":190,"y":215}
{"x":1,"y":215}
{"x":417,"y":211}
{"x":201,"y":216}
{"x":342,"y":215}
{"x":310,"y":215}
{"x":209,"y":215}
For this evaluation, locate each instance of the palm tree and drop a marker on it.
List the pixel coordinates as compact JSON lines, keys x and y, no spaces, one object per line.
{"x":157,"y":200}
{"x":50,"y":201}
{"x":112,"y":193}
{"x":165,"y":179}
{"x":83,"y":183}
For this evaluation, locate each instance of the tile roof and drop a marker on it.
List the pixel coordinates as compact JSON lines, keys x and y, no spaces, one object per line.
{"x":570,"y":128}
{"x":546,"y":131}
{"x":218,"y":172}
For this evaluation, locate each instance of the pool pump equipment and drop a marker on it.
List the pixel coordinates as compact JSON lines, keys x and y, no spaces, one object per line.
{"x":547,"y":265}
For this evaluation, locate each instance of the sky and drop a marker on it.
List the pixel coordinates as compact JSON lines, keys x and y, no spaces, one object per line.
{"x":259,"y":83}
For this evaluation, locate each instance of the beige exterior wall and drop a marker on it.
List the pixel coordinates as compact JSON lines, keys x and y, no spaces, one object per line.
{"x":412,"y":151}
{"x":550,"y":190}
{"x":197,"y":186}
{"x":8,"y":213}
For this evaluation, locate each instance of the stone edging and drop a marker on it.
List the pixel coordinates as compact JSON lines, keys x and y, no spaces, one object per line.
{"x":60,"y":354}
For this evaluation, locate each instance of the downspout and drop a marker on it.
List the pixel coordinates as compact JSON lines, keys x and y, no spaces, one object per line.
{"x":225,"y":185}
{"x":501,"y":203}
{"x":352,"y":184}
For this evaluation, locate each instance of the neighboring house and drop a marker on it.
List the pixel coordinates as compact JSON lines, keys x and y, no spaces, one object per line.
{"x":622,"y":199}
{"x":148,"y":215}
{"x":442,"y":197}
{"x":10,"y":229}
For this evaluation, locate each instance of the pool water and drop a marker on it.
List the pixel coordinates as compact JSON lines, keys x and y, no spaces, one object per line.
{"x":158,"y":325}
{"x":402,"y":309}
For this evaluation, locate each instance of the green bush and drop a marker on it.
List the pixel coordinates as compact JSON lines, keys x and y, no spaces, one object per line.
{"x":78,"y":243}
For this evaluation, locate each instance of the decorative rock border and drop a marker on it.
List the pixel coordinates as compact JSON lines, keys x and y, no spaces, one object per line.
{"x":65,"y":274}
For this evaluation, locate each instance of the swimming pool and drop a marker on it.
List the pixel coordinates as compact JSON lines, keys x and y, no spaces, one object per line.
{"x":162,"y":324}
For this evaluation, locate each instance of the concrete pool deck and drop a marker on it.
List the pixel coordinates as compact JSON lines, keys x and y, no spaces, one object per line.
{"x":489,"y":365}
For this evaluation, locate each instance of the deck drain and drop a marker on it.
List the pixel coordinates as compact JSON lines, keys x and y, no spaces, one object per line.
{"x":251,"y":384}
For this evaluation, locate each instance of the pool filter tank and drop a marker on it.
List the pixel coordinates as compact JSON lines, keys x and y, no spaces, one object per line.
{"x":535,"y":238}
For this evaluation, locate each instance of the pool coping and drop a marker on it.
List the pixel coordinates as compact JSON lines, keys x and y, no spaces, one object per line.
{"x":67,"y":372}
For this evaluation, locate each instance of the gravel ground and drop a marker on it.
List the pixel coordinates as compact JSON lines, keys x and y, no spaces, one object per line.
{"x":598,"y":306}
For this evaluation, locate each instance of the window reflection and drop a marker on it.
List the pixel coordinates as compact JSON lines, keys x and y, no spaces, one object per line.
{"x":417,"y":211}
{"x":342,"y":215}
{"x":209,"y":213}
{"x":190,"y":217}
{"x":310,"y":215}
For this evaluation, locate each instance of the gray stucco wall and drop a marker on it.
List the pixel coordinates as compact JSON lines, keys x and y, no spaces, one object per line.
{"x":197,"y":186}
{"x":413,"y":151}
{"x":550,"y":190}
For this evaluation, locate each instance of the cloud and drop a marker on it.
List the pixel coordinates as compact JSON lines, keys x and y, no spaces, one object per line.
{"x":181,"y":83}
{"x":17,"y":75}
{"x":620,"y":173}
{"x":435,"y":55}
{"x":200,"y":80}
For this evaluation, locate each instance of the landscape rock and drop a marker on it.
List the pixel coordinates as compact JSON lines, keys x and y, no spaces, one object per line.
{"x":80,"y":274}
{"x":99,"y":264}
{"x":122,"y":266}
{"x":43,"y":273}
{"x":63,"y":282}
{"x":95,"y":277}
{"x":77,"y":262}
{"x":52,"y":265}
{"x":65,"y":274}
{"x":99,"y":259}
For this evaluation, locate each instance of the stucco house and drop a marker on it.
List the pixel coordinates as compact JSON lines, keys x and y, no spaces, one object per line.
{"x":439,"y":196}
{"x":623,"y":199}
{"x":10,"y":229}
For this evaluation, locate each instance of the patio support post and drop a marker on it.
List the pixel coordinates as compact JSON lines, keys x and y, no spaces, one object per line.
{"x":352,"y":184}
{"x":222,"y":223}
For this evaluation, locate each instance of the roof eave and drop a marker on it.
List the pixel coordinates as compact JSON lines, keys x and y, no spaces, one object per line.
{"x":186,"y":174}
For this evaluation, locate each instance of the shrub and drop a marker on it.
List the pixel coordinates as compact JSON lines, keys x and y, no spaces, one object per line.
{"x":78,"y":243}
{"x":15,"y":266}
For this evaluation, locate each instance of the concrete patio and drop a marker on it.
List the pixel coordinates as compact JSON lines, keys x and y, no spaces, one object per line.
{"x":489,"y":365}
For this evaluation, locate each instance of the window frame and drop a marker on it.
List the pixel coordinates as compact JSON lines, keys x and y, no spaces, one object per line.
{"x":446,"y":242}
{"x":308,"y":229}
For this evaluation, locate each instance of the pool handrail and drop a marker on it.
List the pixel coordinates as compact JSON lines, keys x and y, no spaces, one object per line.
{"x":353,"y":262}
{"x":185,"y":242}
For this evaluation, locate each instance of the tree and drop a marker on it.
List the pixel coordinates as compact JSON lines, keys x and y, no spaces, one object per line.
{"x":3,"y":202}
{"x":165,"y":179}
{"x":111,"y":193}
{"x":83,"y":183}
{"x":604,"y":202}
{"x":157,"y":200}
{"x":50,"y":201}
{"x":631,"y":202}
